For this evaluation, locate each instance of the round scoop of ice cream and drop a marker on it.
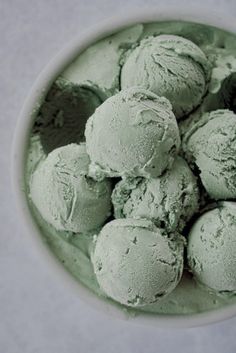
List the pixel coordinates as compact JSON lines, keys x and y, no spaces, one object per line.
{"x":211,"y":144}
{"x":136,"y":263}
{"x":170,"y":66}
{"x":132,"y":133}
{"x":65,"y":196}
{"x":212,"y":248}
{"x":169,"y":201}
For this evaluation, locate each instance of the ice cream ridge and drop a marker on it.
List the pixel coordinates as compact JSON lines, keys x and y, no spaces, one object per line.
{"x":131,"y":168}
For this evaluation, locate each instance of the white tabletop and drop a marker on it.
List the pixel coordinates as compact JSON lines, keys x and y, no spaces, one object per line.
{"x":38,"y":314}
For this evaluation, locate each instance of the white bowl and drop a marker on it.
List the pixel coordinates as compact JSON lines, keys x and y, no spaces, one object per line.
{"x":24,"y":125}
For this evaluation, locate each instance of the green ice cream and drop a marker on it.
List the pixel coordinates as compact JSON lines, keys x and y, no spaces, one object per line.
{"x":98,"y":67}
{"x":223,"y":61}
{"x":212,"y":248}
{"x":169,"y":201}
{"x":73,"y":252}
{"x":91,"y":78}
{"x":170,"y":66}
{"x":65,"y":196}
{"x":211,"y":145}
{"x":136,"y":263}
{"x":132,"y":133}
{"x":222,"y":87}
{"x":36,"y":154}
{"x":63,"y":114}
{"x":201,"y":35}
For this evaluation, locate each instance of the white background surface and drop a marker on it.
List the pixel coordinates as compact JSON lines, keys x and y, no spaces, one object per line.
{"x":38,"y":314}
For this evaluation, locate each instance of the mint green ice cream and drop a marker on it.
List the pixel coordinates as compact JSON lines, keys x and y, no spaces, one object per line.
{"x":204,"y":82}
{"x":169,"y":66}
{"x":64,"y":194}
{"x":132,"y":133}
{"x":222,"y":87}
{"x":74,"y":251}
{"x":136,"y":263}
{"x":211,"y":145}
{"x":169,"y":201}
{"x":212,"y":248}
{"x":202,"y":36}
{"x":98,"y":67}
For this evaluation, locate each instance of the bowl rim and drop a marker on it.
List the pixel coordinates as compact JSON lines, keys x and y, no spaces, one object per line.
{"x":20,"y":143}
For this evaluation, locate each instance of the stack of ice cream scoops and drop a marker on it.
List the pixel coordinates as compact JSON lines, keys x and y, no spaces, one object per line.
{"x":131,"y":168}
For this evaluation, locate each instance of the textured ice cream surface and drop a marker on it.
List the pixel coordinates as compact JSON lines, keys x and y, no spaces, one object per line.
{"x":170,"y":66}
{"x":63,"y":114}
{"x":35,"y":155}
{"x":210,"y":144}
{"x":73,"y":252}
{"x":226,"y":95}
{"x":195,"y":32}
{"x":132,"y":133}
{"x":212,"y":248}
{"x":98,"y":67}
{"x":64,"y":194}
{"x":223,"y":62}
{"x":136,"y":263}
{"x":222,"y":87}
{"x":224,"y":98}
{"x":169,"y":201}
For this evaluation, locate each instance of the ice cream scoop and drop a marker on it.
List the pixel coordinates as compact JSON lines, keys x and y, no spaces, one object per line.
{"x":132,"y":133}
{"x":170,"y":66}
{"x":136,"y":263}
{"x":210,"y":144}
{"x":63,"y":114}
{"x":169,"y":201}
{"x":212,"y":248}
{"x":64,"y":194}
